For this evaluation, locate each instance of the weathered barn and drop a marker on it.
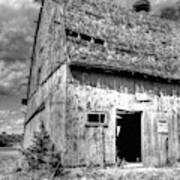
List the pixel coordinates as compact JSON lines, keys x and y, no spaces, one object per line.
{"x":106,"y":82}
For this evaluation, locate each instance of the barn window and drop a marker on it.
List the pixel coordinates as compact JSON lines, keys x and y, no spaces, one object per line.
{"x":71,"y":33}
{"x":99,"y":41}
{"x":85,"y":37}
{"x":142,"y":5}
{"x":96,"y":119}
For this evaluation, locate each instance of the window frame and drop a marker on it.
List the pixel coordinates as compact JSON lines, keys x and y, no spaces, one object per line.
{"x":96,"y":124}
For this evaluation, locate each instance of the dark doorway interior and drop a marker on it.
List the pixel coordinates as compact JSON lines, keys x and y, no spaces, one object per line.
{"x":128,"y":136}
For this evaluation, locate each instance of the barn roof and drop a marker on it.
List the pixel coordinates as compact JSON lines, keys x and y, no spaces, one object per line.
{"x":104,"y":34}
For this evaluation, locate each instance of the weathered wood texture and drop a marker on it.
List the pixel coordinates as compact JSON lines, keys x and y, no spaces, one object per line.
{"x":110,"y":38}
{"x":49,"y":51}
{"x":178,"y":129}
{"x":48,"y":77}
{"x":173,"y":142}
{"x":124,"y":82}
{"x":88,"y":140}
{"x":85,"y":95}
{"x":53,"y":95}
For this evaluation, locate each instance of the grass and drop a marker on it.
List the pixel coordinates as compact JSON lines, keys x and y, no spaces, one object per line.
{"x":109,"y":173}
{"x":7,"y":160}
{"x":116,"y":173}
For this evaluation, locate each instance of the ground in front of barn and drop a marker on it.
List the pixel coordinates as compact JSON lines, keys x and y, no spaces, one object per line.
{"x":111,"y":173}
{"x":8,"y":162}
{"x":129,"y":173}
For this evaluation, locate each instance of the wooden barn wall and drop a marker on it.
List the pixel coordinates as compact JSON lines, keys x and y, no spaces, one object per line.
{"x":53,"y":95}
{"x":96,"y":93}
{"x":33,"y":126}
{"x":48,"y":76}
{"x":49,"y":47}
{"x":84,"y":144}
{"x":123,"y":83}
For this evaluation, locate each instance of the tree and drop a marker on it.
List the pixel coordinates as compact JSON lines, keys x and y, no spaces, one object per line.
{"x":42,"y":154}
{"x":8,"y":140}
{"x":3,"y":141}
{"x":171,"y":13}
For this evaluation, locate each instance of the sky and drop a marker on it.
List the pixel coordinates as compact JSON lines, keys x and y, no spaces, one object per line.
{"x":17,"y":27}
{"x":16,"y":37}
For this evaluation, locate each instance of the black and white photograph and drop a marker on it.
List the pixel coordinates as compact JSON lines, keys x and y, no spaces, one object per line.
{"x":89,"y":89}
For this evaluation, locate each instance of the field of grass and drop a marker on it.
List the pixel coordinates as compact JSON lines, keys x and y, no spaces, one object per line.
{"x":8,"y":159}
{"x":116,"y":173}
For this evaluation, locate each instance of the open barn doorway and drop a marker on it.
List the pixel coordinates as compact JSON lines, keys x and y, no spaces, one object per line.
{"x":128,"y":136}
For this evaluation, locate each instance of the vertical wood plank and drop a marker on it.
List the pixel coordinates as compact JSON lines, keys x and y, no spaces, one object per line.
{"x":173,"y":138}
{"x":163,"y":151}
{"x":110,"y":138}
{"x":150,"y":141}
{"x":178,"y":129}
{"x":154,"y":143}
{"x":146,"y":138}
{"x":163,"y":138}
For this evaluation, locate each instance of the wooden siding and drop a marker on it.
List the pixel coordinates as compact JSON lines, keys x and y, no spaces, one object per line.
{"x":173,"y":138}
{"x":49,"y":52}
{"x":53,"y":95}
{"x":122,"y":83}
{"x":93,"y":91}
{"x":154,"y":143}
{"x":67,"y":104}
{"x":48,"y":76}
{"x":88,"y":140}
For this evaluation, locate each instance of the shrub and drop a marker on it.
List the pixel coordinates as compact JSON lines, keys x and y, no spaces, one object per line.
{"x":171,"y":13}
{"x":42,"y":154}
{"x":8,"y":140}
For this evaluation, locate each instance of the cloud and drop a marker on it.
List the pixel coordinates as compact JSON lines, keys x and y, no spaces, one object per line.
{"x":17,"y":29}
{"x":13,"y":78}
{"x":16,"y":4}
{"x":16,"y":37}
{"x":16,"y":33}
{"x":11,"y":121}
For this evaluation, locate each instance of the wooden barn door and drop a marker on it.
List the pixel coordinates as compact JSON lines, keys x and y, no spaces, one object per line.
{"x":150,"y":139}
{"x":100,"y":138}
{"x":149,"y":143}
{"x":159,"y":138}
